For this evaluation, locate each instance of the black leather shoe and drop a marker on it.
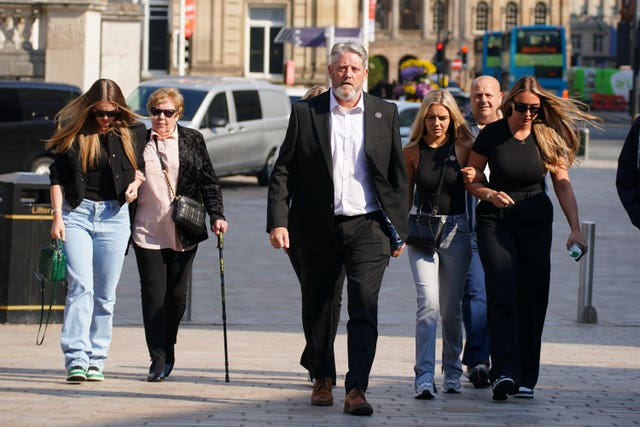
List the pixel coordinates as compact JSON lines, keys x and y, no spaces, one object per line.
{"x":168,"y":367}
{"x":156,"y":371}
{"x":170,"y":360}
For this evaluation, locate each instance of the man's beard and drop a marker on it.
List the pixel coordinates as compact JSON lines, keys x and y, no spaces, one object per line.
{"x":345,"y":94}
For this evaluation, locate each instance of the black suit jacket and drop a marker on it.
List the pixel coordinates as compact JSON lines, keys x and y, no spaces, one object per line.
{"x":301,"y":189}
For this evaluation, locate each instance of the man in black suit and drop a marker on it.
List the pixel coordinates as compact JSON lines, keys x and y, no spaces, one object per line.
{"x":340,"y":167}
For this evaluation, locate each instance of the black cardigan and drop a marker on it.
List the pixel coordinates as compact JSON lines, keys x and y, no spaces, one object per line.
{"x":66,"y":169}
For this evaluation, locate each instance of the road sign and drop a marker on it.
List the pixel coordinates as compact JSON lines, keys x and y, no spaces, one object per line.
{"x":456,"y":64}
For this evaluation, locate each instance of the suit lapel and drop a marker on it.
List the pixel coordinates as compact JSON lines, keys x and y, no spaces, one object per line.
{"x":372,"y":120}
{"x":321,"y":117}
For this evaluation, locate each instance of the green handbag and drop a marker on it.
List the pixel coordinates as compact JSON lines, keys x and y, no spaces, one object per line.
{"x":52,"y":268}
{"x":52,"y":264}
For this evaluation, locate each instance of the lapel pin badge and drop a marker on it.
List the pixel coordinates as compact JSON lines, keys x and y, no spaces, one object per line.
{"x":378,"y":114}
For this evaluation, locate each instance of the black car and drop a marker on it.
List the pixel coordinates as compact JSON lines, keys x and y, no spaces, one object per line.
{"x":27,"y":110}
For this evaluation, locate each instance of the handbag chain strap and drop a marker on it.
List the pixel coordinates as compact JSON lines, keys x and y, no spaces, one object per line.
{"x":164,"y":169}
{"x":436,"y":198}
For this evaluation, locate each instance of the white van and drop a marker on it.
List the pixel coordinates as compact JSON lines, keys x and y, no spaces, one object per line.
{"x":243,"y":120}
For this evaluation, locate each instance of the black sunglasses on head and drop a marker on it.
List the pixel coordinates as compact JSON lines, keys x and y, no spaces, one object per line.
{"x":167,"y":113}
{"x":104,"y":113}
{"x":522,"y":108}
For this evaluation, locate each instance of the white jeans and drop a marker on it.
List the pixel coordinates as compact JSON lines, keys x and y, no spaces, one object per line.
{"x":439,"y":280}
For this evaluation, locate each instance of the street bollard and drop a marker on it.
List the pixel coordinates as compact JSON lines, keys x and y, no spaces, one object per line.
{"x":586,"y":312}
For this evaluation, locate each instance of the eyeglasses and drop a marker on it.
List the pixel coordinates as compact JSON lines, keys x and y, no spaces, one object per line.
{"x":522,"y":108}
{"x":167,"y":113}
{"x":103,"y":113}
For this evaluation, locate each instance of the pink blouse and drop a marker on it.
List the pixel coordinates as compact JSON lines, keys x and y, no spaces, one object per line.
{"x":153,"y":227}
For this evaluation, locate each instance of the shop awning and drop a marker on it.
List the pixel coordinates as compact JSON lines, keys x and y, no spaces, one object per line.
{"x":314,"y":36}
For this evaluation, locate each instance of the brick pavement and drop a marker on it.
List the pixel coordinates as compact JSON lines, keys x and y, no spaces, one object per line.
{"x":590,"y":373}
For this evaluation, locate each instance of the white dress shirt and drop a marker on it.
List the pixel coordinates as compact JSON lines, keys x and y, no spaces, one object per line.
{"x":353,"y":193}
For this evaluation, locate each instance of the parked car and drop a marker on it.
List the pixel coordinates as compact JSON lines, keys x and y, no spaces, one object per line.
{"x":27,"y":111}
{"x":407,"y":111}
{"x":243,"y":120}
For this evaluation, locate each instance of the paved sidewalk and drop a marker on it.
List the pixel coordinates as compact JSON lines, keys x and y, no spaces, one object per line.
{"x":590,"y":373}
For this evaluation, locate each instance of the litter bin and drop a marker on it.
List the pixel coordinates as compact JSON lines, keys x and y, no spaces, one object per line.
{"x":25,"y":223}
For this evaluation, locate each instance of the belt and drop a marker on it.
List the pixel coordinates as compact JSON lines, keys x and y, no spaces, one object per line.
{"x":522,"y":195}
{"x":342,"y":218}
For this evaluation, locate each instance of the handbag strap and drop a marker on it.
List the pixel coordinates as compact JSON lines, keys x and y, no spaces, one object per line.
{"x":436,"y":198}
{"x":164,"y":169}
{"x":40,"y":339}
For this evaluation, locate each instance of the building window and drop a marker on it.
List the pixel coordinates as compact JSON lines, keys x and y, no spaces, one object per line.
{"x":438,"y":16}
{"x":540,"y":17}
{"x":576,"y":41}
{"x":410,"y":14}
{"x":482,"y":16}
{"x":382,"y":14}
{"x":265,"y":58}
{"x":598,"y":43}
{"x":511,"y":16}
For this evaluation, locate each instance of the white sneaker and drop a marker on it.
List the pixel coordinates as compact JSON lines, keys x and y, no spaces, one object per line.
{"x":426,"y":391}
{"x":524,"y":393}
{"x":452,"y":385}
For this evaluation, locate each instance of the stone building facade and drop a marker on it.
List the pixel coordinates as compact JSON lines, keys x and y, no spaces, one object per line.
{"x":232,"y":36}
{"x":71,"y":41}
{"x":77,"y":41}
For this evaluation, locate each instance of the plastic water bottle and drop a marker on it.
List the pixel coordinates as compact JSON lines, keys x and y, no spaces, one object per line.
{"x":576,"y":251}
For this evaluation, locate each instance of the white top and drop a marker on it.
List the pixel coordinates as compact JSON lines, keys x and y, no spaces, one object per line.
{"x":352,"y":190}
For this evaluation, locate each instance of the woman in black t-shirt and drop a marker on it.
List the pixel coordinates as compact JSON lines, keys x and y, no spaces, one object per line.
{"x":439,"y":146}
{"x":538,"y":134}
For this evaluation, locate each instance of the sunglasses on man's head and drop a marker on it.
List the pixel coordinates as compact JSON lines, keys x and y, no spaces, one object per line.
{"x":104,"y":113}
{"x":522,"y":108}
{"x":167,"y":113}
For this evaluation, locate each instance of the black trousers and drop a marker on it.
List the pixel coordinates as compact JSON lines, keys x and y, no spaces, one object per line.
{"x":359,"y":250}
{"x":306,"y":359}
{"x":515,"y":246}
{"x":164,"y":277}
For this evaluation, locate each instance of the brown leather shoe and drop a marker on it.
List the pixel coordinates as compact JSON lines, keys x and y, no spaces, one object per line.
{"x":322,"y":395}
{"x":356,"y":404}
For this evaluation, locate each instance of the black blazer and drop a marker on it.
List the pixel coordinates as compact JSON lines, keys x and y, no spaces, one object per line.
{"x":196,"y":179}
{"x":301,"y":189}
{"x":66,"y":169}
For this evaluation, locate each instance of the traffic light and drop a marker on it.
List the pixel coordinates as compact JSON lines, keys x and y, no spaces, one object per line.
{"x":187,"y":52}
{"x":463,"y":54}
{"x":439,"y":52}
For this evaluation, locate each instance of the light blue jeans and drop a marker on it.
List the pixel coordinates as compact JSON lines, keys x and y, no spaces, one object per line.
{"x":439,"y":280}
{"x":96,"y":236}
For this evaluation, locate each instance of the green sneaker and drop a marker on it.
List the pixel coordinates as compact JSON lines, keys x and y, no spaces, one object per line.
{"x":76,"y":374}
{"x":94,"y":373}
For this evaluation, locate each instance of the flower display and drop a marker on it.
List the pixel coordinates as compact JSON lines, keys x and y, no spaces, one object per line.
{"x":415,"y":79}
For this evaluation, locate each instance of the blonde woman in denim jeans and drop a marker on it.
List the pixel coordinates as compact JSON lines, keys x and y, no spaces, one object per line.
{"x":98,"y":169}
{"x":439,"y":139}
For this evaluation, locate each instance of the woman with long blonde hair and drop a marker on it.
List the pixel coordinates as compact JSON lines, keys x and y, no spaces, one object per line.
{"x":97,"y":170}
{"x":538,"y":134}
{"x":439,"y":146}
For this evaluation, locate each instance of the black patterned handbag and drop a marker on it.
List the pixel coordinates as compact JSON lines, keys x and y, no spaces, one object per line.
{"x":425,"y":230}
{"x":189,"y":215}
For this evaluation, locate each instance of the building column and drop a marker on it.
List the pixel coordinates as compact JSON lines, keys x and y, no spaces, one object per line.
{"x":395,"y":19}
{"x":73,"y":39}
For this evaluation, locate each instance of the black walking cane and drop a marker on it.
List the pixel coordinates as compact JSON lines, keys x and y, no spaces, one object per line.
{"x":224,"y":310}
